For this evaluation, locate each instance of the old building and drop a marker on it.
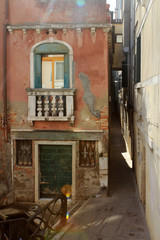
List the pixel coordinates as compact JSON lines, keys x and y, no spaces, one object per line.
{"x":117,"y":58}
{"x":141,"y":103}
{"x":54,"y":98}
{"x":118,"y":9}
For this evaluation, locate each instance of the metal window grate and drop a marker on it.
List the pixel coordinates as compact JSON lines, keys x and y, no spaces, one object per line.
{"x":87,"y":154}
{"x":24,"y":152}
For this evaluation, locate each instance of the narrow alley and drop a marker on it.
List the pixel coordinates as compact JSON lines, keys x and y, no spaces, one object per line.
{"x":119,"y":216}
{"x":80,"y":119}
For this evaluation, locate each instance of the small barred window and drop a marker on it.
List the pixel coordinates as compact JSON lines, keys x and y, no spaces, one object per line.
{"x":24,"y":152}
{"x":87,"y":153}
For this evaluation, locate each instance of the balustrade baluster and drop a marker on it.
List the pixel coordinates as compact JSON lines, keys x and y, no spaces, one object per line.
{"x":51,"y":105}
{"x":53,"y":108}
{"x":46,"y":106}
{"x":39,"y":106}
{"x":60,"y":106}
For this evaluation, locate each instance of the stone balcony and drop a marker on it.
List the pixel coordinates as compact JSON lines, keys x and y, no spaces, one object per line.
{"x":51,"y":104}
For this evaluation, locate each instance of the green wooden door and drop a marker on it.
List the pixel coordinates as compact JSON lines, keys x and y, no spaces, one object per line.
{"x":55,"y":168}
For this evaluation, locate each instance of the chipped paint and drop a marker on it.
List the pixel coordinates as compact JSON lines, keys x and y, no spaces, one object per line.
{"x":90,"y":78}
{"x":88,"y":97}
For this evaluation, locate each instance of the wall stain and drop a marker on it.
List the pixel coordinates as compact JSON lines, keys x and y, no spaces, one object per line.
{"x":88,"y":97}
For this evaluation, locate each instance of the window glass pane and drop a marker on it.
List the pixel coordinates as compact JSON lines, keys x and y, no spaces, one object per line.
{"x":119,"y":39}
{"x":52,"y":71}
{"x":46,"y":74}
{"x":59,"y":74}
{"x":59,"y":70}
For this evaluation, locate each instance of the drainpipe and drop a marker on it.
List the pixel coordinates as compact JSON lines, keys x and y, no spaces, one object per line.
{"x":5,"y":71}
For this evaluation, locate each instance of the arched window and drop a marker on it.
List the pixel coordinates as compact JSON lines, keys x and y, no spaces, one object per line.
{"x":51,"y":65}
{"x":51,"y":92}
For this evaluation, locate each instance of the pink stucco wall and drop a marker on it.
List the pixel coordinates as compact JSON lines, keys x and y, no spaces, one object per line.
{"x":64,"y":11}
{"x":90,"y":54}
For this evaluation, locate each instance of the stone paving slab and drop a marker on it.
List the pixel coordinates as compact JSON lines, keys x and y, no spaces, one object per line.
{"x":118,"y":217}
{"x":108,"y":218}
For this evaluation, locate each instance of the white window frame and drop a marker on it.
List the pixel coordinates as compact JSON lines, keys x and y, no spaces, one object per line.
{"x":51,"y":40}
{"x":56,"y":71}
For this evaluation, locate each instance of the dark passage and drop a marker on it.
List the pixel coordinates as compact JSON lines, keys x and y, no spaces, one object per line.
{"x":121,"y":178}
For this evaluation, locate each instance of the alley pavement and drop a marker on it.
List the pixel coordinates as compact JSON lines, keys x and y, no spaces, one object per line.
{"x":120,"y":215}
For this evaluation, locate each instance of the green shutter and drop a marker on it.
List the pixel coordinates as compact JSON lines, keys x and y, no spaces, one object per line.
{"x":138,"y":77}
{"x":66,"y":71}
{"x":38,"y":71}
{"x":124,"y":74}
{"x":55,"y":168}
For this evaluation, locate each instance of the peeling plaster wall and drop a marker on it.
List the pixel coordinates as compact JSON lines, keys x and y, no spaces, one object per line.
{"x":5,"y":167}
{"x":87,"y":181}
{"x":88,"y":97}
{"x":2,"y":167}
{"x":146,"y":121}
{"x":90,"y":56}
{"x":24,"y":179}
{"x":91,"y":103}
{"x":91,"y":98}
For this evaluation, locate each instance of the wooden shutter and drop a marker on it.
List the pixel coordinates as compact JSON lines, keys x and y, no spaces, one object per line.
{"x":66,"y":71}
{"x":38,"y":71}
{"x":124,"y":74}
{"x":138,"y":77}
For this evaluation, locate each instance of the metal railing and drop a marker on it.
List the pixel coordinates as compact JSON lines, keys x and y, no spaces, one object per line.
{"x":38,"y":226}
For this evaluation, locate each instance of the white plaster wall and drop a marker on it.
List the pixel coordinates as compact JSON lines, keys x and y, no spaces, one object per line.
{"x":153,"y":193}
{"x":137,"y":161}
{"x":147,"y":120}
{"x":147,"y":111}
{"x":150,"y":37}
{"x":140,"y":11}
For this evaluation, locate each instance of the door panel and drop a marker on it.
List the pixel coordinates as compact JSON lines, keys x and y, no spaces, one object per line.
{"x":55,"y":168}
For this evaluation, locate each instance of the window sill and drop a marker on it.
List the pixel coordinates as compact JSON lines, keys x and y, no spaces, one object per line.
{"x":52,"y":119}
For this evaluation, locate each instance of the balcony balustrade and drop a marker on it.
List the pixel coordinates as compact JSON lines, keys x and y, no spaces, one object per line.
{"x":51,"y":104}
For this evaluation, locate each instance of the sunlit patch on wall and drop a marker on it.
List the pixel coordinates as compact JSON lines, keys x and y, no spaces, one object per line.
{"x":80,"y":3}
{"x":127,"y":159}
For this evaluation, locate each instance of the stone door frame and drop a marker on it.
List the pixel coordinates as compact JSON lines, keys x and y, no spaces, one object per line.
{"x":37,"y":166}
